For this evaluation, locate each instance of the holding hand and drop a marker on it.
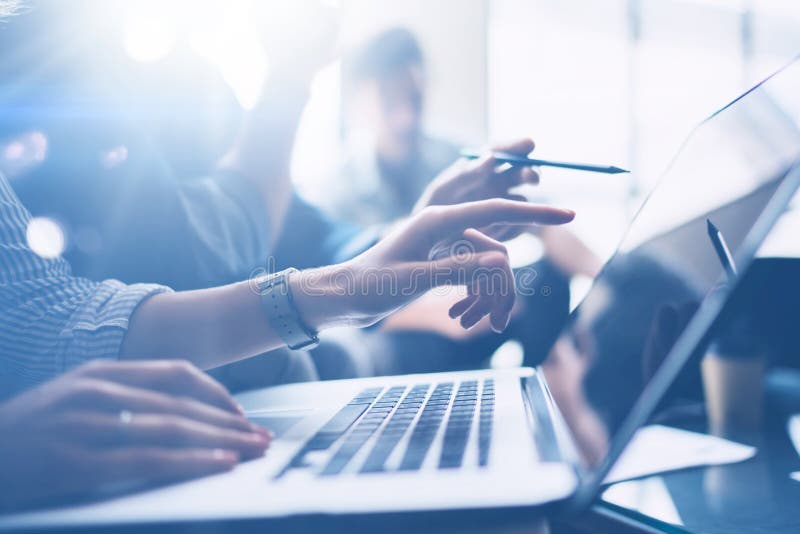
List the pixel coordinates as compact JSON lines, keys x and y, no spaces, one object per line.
{"x":109,"y":426}
{"x":484,"y":178}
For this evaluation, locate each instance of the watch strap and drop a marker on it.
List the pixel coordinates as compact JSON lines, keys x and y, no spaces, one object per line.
{"x":281,"y":312}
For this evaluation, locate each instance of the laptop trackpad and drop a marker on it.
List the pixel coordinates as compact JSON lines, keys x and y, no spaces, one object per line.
{"x":278,"y":421}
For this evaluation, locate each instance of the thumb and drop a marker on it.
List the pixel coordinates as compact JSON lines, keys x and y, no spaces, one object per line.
{"x":521,"y":147}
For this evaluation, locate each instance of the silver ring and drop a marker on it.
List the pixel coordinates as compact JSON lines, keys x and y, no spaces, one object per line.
{"x":125,"y":417}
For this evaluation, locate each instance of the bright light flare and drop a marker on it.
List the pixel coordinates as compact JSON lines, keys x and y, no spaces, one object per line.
{"x":149,"y":33}
{"x":46,"y":237}
{"x":22,"y":153}
{"x":114,"y":157}
{"x":509,"y":355}
{"x":224,"y":33}
{"x":229,"y":38}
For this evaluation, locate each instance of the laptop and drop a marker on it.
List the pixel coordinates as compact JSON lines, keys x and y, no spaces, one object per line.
{"x":527,"y":437}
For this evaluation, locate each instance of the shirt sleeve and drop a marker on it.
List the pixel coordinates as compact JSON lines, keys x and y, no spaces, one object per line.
{"x":51,"y":321}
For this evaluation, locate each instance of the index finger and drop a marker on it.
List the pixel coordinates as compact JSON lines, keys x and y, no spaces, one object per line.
{"x":109,"y":396}
{"x":482,"y":213}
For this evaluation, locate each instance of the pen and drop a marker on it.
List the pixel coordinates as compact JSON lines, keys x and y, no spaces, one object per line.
{"x":513,"y":159}
{"x":722,"y":250}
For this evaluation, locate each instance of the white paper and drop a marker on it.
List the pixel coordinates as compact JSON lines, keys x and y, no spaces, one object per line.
{"x":793,"y":426}
{"x":657,"y":448}
{"x":649,"y":496}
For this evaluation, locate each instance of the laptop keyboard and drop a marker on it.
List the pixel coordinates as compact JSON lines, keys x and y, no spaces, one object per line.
{"x":413,"y":416}
{"x":394,"y":431}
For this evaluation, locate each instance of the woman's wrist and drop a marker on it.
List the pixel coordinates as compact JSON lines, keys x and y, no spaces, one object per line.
{"x":320,"y":296}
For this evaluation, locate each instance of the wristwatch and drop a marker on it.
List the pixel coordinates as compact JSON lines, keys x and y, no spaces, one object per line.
{"x":278,"y":304}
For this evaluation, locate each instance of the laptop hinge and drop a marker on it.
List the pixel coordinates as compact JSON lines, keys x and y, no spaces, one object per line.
{"x":550,"y":432}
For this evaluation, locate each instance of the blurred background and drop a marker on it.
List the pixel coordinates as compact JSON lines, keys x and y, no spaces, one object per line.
{"x":620,"y":82}
{"x":617,"y":82}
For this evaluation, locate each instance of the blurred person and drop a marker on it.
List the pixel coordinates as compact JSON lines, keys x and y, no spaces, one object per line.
{"x":109,"y":427}
{"x":623,"y":345}
{"x":140,"y":197}
{"x":390,"y":163}
{"x":389,"y":157}
{"x":655,"y":295}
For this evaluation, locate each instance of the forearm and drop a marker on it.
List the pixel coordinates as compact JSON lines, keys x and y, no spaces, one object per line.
{"x":212,"y":327}
{"x":262,"y":151}
{"x":216,"y":326}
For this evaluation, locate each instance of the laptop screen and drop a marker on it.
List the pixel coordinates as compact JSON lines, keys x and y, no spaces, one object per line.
{"x":727,"y":171}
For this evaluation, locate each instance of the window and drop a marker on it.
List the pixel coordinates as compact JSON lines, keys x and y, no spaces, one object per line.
{"x":623,"y":82}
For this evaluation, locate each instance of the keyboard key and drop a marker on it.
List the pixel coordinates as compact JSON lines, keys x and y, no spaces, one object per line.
{"x":334,"y":428}
{"x":485,"y":423}
{"x":425,"y":431}
{"x":356,"y":424}
{"x":362,"y":432}
{"x":337,"y":426}
{"x":394,"y":430}
{"x":458,"y":426}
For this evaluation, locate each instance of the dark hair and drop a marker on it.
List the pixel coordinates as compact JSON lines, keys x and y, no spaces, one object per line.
{"x":640,"y":286}
{"x":382,"y":55}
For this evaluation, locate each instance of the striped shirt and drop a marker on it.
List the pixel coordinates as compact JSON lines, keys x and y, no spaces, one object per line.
{"x":51,"y":321}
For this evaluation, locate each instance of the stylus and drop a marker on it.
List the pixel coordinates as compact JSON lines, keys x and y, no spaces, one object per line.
{"x":722,"y":250}
{"x":513,"y":159}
